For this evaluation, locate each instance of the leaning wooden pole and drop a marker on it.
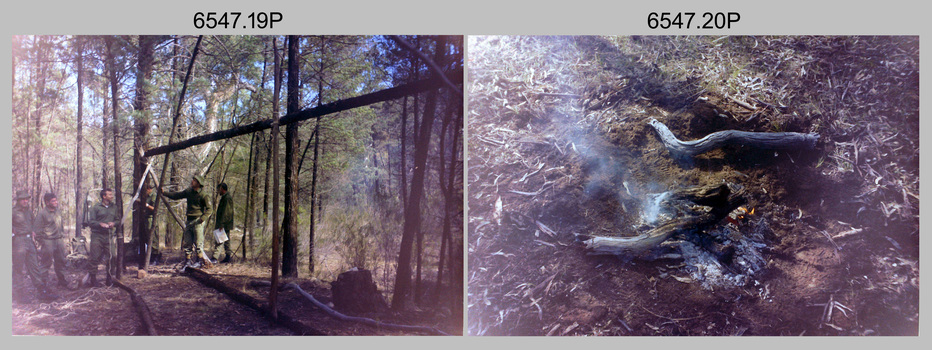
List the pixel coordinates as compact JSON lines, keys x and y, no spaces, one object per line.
{"x":763,"y":140}
{"x":330,"y":108}
{"x":171,"y":135}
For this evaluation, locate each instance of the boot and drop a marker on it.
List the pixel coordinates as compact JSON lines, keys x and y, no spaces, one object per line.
{"x":226,"y":259}
{"x":206,"y":261}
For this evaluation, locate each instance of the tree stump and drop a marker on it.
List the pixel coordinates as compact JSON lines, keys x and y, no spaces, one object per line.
{"x":355,"y":292}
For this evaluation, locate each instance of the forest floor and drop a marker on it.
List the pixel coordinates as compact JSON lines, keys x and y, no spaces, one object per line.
{"x":560,"y":145}
{"x":182,"y":306}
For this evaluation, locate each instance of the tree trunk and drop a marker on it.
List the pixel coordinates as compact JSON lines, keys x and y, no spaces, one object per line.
{"x":247,"y":223}
{"x":404,"y":153}
{"x":413,"y":213}
{"x":273,"y":291}
{"x":268,"y":169}
{"x":314,"y":213}
{"x":117,"y":178}
{"x":78,"y":176}
{"x":141,"y":231}
{"x":448,"y":193}
{"x":41,"y":76}
{"x":104,"y":162}
{"x":290,"y":241}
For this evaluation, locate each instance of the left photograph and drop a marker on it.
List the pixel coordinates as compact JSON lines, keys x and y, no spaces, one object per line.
{"x":237,"y":185}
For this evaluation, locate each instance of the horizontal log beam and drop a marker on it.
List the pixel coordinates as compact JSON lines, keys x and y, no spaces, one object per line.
{"x":763,"y":140}
{"x":316,"y":112}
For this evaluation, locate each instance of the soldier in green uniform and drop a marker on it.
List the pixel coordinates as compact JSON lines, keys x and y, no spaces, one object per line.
{"x":198,"y":211}
{"x":102,"y":218}
{"x":24,"y":251}
{"x":224,"y":221}
{"x":149,"y":210}
{"x":51,"y":238}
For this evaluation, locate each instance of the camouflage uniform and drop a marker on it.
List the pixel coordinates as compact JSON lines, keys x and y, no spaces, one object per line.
{"x":50,"y":235}
{"x":198,"y":211}
{"x":25,"y":253}
{"x":103,"y":247}
{"x":224,"y":221}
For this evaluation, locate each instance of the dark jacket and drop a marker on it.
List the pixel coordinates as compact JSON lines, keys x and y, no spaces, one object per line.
{"x":198,"y":203}
{"x":22,"y":221}
{"x":225,"y":212}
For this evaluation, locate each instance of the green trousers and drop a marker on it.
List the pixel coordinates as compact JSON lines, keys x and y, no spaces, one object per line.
{"x":219,"y":253}
{"x":103,"y":252}
{"x":26,"y":255}
{"x":52,"y":253}
{"x":192,"y":241}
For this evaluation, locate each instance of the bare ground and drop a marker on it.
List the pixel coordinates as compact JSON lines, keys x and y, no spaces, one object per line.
{"x":182,"y":306}
{"x":559,"y":145}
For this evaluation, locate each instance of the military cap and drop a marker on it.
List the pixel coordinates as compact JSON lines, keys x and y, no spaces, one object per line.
{"x":22,"y":195}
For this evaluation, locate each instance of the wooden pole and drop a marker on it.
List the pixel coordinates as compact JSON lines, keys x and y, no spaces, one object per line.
{"x":165,"y":162}
{"x":333,"y":107}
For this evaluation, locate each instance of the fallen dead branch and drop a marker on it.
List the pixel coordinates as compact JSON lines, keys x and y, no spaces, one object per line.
{"x":144,"y":314}
{"x":284,"y":320}
{"x":713,"y":203}
{"x":362,"y":320}
{"x":762,"y":140}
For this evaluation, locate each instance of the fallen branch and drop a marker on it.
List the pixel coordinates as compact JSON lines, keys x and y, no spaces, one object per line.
{"x":366,"y":321}
{"x":762,"y":140}
{"x":711,"y":205}
{"x":144,"y":314}
{"x":284,"y":320}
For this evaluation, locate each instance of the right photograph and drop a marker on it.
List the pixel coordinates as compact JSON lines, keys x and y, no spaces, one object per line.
{"x":693,"y":185}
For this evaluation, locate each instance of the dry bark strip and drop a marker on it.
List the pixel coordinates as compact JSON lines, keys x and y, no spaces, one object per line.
{"x":712,"y":204}
{"x":363,"y":320}
{"x":764,"y":140}
{"x":144,"y":314}
{"x":283,"y":319}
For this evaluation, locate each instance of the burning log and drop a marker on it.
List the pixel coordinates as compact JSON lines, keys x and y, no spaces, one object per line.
{"x":763,"y":140}
{"x":707,"y":205}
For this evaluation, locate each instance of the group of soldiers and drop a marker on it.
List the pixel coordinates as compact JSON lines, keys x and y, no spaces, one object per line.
{"x":38,"y":240}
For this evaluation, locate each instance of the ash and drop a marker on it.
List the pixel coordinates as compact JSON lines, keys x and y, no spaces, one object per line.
{"x":711,"y":272}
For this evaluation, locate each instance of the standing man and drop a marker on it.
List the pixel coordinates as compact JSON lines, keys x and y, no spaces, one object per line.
{"x":102,"y":218}
{"x":198,"y":211}
{"x":24,"y":250}
{"x":50,"y":235}
{"x":224,"y":221}
{"x":148,"y":212}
